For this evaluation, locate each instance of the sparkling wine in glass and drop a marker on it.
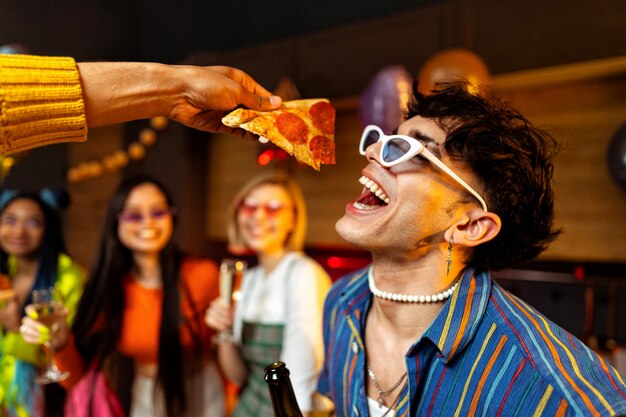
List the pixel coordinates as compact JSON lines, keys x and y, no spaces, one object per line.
{"x":231,"y":276}
{"x":48,"y":308}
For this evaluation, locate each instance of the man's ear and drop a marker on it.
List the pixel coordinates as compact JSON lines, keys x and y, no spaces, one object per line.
{"x":478,"y":228}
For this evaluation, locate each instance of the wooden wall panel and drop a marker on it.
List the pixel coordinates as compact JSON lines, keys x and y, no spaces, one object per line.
{"x":584,"y":115}
{"x":334,"y":62}
{"x":513,"y":35}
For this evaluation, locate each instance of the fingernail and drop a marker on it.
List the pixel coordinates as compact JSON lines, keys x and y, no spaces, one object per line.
{"x":275,"y":100}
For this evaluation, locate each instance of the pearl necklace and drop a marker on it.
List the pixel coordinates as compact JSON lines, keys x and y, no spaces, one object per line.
{"x":406,"y":298}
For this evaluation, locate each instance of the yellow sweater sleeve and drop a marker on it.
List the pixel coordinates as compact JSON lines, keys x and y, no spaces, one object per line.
{"x":41,"y":102}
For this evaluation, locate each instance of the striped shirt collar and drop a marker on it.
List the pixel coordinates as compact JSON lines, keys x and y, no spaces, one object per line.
{"x":453,"y":328}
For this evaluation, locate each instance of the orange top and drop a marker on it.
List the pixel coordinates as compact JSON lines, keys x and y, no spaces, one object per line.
{"x":139,"y":337}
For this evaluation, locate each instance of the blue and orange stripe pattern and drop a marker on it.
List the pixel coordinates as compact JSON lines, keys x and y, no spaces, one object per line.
{"x":487,"y":353}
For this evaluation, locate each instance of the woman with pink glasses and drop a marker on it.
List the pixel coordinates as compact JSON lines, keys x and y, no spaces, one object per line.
{"x":278,"y":315}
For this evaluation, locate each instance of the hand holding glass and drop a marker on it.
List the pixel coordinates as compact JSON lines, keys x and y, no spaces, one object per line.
{"x":48,"y":310}
{"x":231,"y":275}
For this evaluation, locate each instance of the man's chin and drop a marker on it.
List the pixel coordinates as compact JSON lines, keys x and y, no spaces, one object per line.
{"x":349,"y":232}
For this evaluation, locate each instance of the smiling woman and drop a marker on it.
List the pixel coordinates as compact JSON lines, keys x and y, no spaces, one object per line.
{"x":22,"y":227}
{"x":146,"y":223}
{"x":32,"y":257}
{"x":278,"y":316}
{"x":140,"y":318}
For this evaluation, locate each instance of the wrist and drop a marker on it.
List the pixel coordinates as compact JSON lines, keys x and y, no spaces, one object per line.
{"x":116,"y":92}
{"x":225,"y":337}
{"x":163,"y":87}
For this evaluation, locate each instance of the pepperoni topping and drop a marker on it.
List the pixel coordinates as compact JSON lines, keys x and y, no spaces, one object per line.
{"x":323,"y":149}
{"x":323,"y":116}
{"x":292,"y":127}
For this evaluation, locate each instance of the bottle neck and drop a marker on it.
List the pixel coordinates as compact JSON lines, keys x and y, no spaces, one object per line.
{"x":281,"y":391}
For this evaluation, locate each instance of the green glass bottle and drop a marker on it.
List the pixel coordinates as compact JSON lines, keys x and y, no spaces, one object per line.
{"x":281,"y":391}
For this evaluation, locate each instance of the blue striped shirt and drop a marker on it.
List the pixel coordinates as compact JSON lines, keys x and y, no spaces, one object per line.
{"x":487,"y":353}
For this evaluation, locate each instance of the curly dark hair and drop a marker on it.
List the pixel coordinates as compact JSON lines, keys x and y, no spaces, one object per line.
{"x":512,"y":161}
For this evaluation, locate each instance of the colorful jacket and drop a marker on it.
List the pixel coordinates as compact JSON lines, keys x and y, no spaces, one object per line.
{"x":19,"y":360}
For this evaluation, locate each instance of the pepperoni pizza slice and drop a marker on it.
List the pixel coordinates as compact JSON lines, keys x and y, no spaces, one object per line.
{"x":304,"y":128}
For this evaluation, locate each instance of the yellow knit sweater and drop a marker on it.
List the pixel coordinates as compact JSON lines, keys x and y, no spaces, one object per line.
{"x":41,"y":102}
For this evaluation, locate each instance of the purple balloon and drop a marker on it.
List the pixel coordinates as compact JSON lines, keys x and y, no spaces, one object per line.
{"x":384,"y":101}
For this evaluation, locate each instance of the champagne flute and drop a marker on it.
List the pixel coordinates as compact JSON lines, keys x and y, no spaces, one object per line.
{"x":231,"y":276}
{"x":48,"y":308}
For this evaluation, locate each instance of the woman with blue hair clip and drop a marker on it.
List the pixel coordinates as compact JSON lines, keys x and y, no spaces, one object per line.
{"x":32,"y":256}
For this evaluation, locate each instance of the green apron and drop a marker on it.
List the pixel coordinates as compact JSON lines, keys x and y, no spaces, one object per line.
{"x":261,"y":344}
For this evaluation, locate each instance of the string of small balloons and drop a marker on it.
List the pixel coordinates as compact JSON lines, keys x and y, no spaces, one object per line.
{"x":119,"y":159}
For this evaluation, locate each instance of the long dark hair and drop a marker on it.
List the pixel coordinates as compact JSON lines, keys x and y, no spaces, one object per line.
{"x":98,"y":323}
{"x":50,"y":201}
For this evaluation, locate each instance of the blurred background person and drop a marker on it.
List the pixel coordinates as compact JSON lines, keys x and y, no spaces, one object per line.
{"x":278,"y":314}
{"x":141,"y":317}
{"x":32,"y":256}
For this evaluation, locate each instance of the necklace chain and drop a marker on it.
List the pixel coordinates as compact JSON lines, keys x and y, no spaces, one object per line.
{"x":381,"y":392}
{"x":434,"y":298}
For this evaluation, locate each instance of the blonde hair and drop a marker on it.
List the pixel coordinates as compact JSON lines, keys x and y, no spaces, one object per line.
{"x":295,"y":240}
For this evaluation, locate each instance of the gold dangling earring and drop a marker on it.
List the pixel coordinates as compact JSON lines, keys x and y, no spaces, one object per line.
{"x":449,"y":261}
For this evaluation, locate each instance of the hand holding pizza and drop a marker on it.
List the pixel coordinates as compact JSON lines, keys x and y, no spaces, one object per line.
{"x":198,"y":97}
{"x":223,"y":89}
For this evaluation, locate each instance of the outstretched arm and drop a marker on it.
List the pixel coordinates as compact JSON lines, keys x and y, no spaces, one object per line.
{"x":195,"y":96}
{"x":48,"y":100}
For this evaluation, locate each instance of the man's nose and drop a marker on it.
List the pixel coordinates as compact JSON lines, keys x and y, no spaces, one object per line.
{"x":372,"y":153}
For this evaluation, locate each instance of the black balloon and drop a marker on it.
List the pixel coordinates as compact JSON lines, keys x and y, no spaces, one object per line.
{"x":616,"y":157}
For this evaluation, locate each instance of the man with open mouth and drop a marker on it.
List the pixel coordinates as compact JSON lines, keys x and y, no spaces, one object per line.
{"x":462,"y":187}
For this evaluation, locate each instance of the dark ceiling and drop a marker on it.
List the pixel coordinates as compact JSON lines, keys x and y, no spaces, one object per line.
{"x":169,"y":31}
